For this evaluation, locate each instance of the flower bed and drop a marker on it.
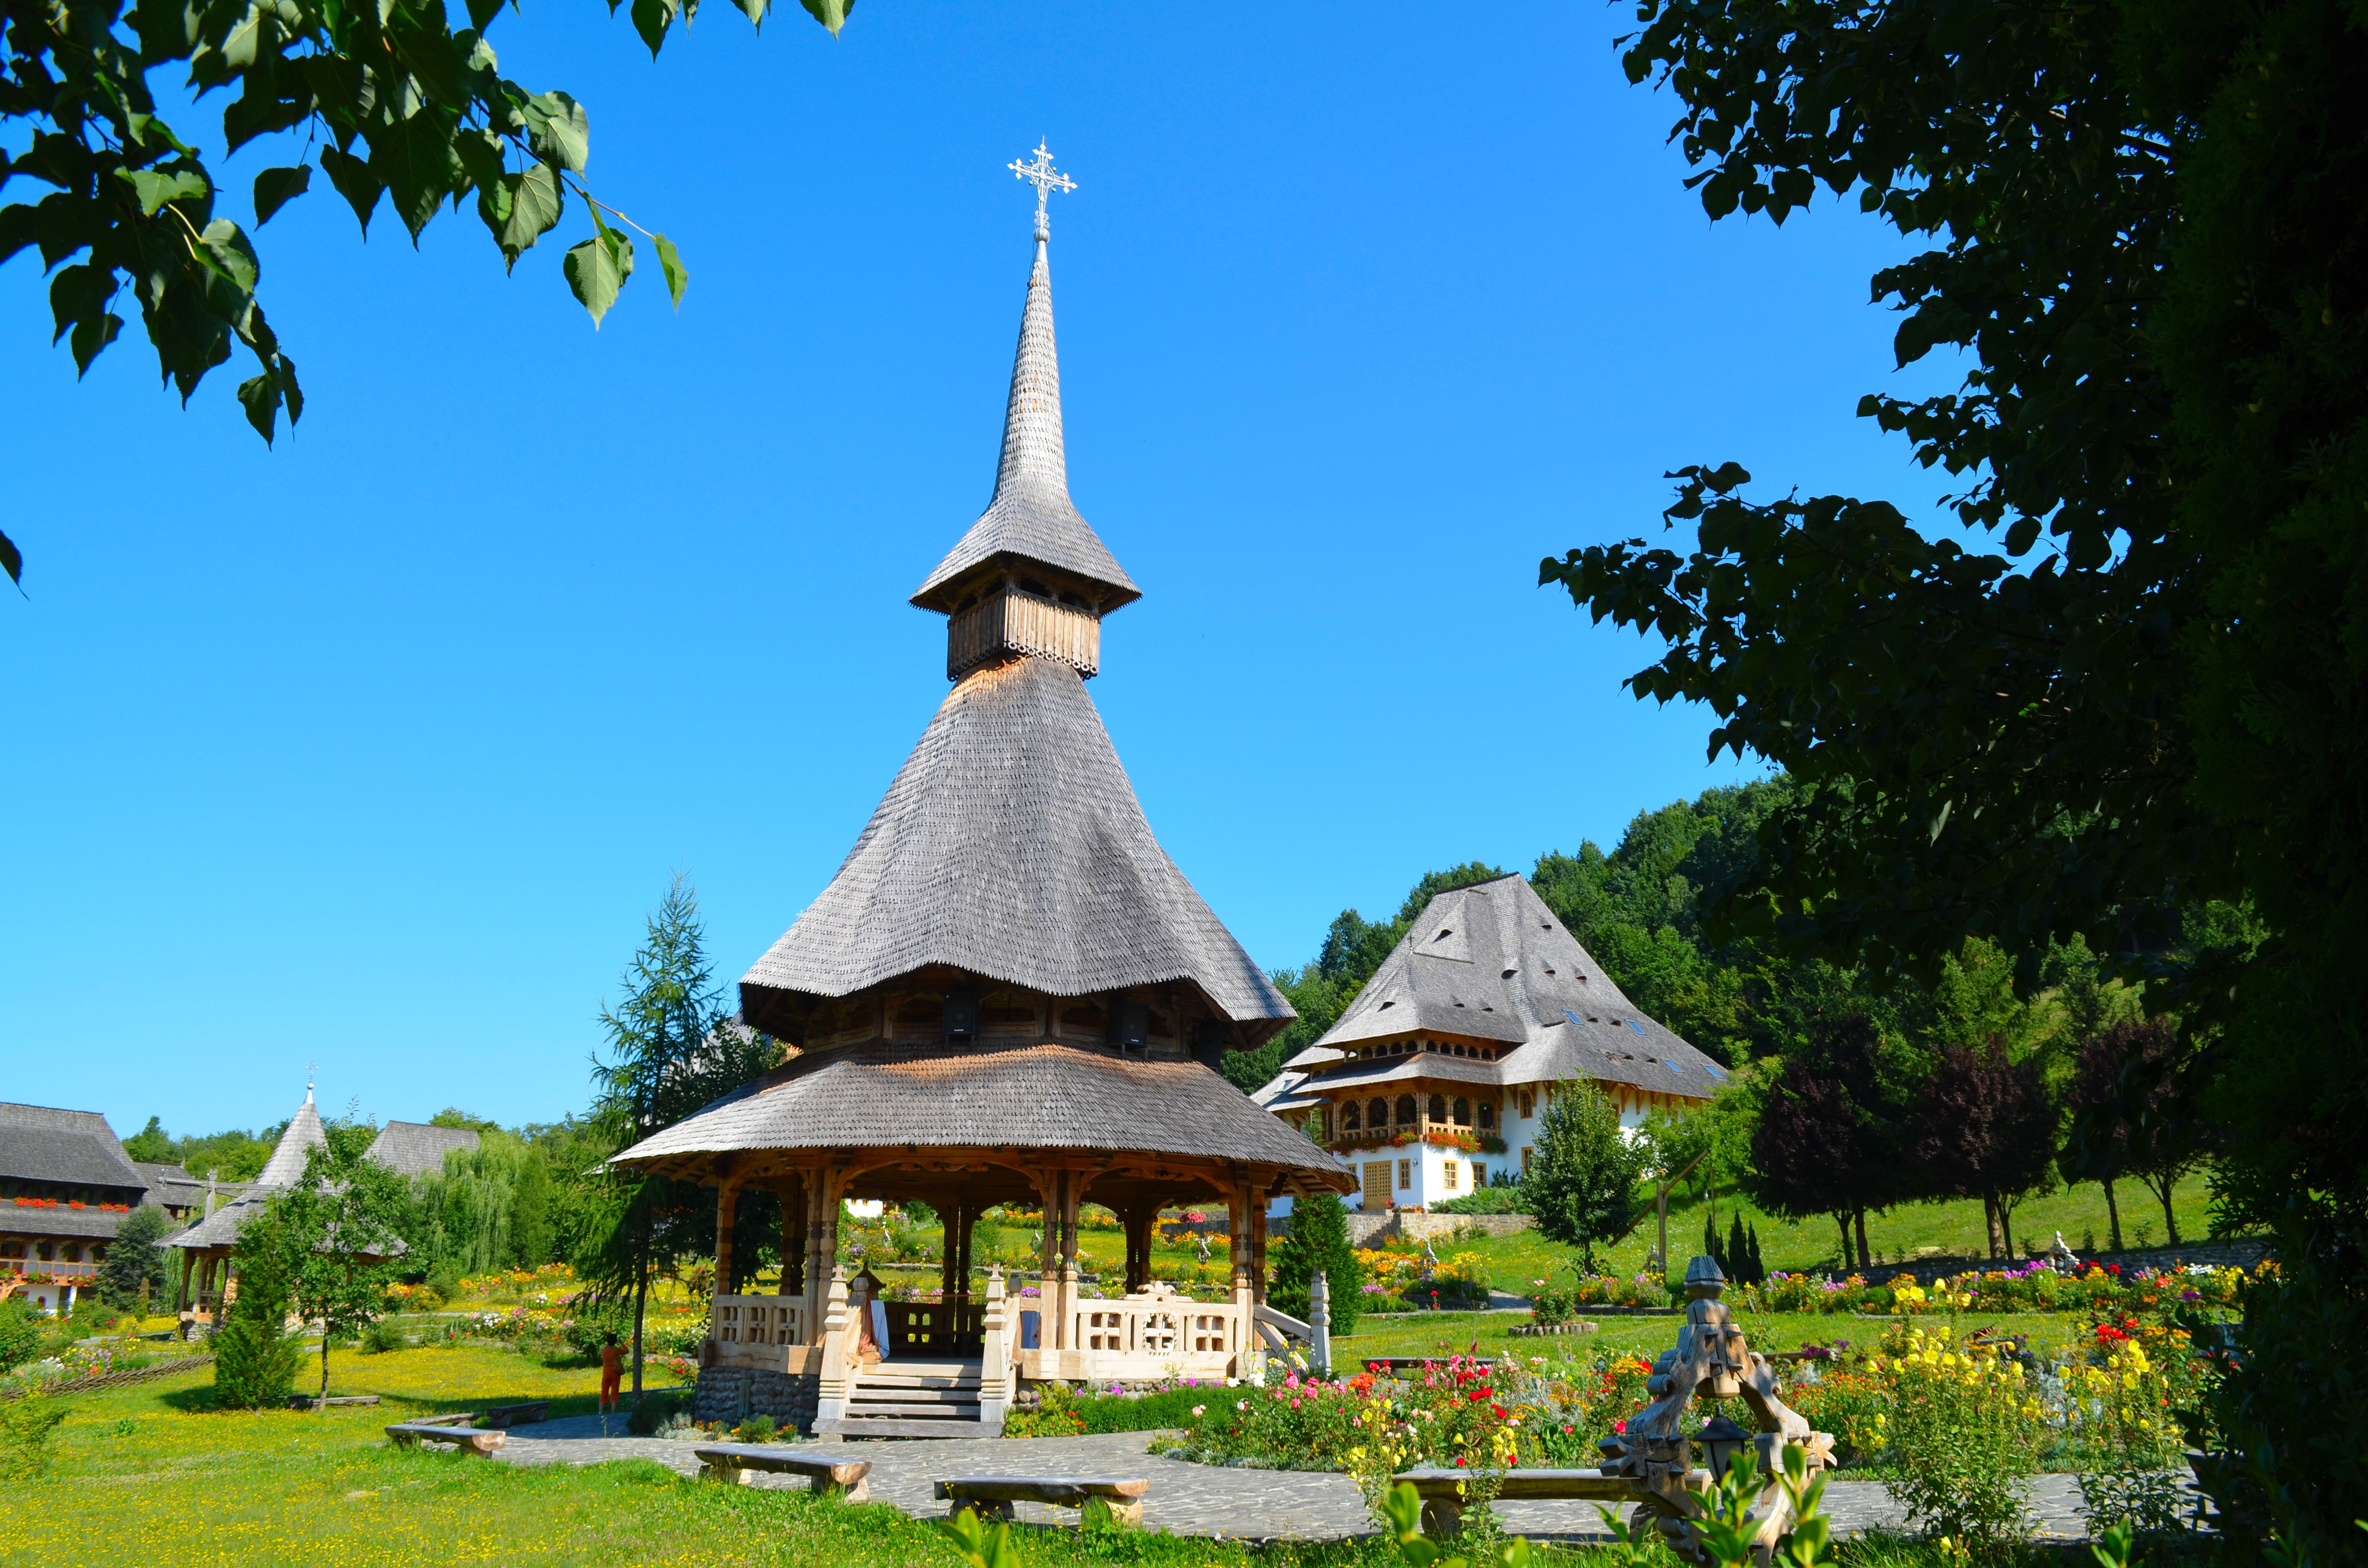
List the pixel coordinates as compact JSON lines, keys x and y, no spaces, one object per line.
{"x":1454,"y":1413}
{"x":2098,"y":1291}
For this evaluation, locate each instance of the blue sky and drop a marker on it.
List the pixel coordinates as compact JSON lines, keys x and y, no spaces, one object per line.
{"x":374,"y":751}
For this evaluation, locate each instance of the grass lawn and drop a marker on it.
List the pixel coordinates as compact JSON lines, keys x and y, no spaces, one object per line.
{"x":151,"y":1473}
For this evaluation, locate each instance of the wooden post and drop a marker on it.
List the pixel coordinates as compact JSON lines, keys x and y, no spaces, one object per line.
{"x":949,"y":1216}
{"x":822,"y":1259}
{"x":1258,"y":1241}
{"x":1319,"y":1320}
{"x":831,"y":1403}
{"x":792,"y":1195}
{"x":962,"y":1268}
{"x":995,"y":1357}
{"x":727,"y":1205}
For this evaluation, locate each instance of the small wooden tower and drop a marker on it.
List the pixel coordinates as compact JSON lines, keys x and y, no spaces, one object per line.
{"x":1008,"y":994}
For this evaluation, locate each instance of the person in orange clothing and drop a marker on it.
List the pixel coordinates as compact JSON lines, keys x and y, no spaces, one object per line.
{"x":612,"y":1367}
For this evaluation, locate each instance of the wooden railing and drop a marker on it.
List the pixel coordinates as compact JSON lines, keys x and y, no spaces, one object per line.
{"x":1154,"y":1334}
{"x":756,"y":1331}
{"x":35,"y":1268}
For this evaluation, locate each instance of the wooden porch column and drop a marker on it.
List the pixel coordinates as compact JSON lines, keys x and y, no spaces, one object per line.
{"x":1140,"y":1223}
{"x":727,"y":1205}
{"x":792,"y":1195}
{"x":1257,"y":1202}
{"x":188,"y":1261}
{"x":961,"y":1267}
{"x":823,"y":1189}
{"x":950,"y":1266}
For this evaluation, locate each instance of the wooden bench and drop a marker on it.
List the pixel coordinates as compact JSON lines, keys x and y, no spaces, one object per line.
{"x":992,"y":1496}
{"x":441,"y":1430}
{"x":518,"y":1414}
{"x":739,"y":1462}
{"x":1443,"y":1498}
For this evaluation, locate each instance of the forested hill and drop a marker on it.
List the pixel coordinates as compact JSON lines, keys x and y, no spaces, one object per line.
{"x":1635,"y":909}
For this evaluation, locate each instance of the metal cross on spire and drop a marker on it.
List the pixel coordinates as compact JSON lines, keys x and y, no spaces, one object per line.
{"x":1041,"y":173}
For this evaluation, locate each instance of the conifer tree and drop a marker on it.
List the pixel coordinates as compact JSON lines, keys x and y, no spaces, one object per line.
{"x":1318,"y":1239}
{"x":254,"y":1355}
{"x":673,"y":1048}
{"x":132,"y":1260}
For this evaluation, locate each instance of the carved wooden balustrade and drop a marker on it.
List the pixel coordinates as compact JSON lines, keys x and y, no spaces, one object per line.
{"x":766,"y":1333}
{"x":1153,"y":1333}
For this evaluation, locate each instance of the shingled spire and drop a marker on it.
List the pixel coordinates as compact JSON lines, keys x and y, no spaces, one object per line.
{"x":1031,"y":577}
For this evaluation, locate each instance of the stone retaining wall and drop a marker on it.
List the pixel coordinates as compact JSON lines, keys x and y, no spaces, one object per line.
{"x":729,"y":1395}
{"x":1372,"y":1230}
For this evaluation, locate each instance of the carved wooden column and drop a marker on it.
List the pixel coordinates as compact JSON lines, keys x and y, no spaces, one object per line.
{"x":727,"y":1206}
{"x":791,"y":1192}
{"x":1257,"y":1202}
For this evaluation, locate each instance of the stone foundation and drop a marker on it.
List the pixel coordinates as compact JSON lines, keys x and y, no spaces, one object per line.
{"x":729,"y":1395}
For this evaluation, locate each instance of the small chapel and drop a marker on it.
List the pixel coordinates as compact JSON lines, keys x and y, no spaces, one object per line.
{"x":1008,"y":995}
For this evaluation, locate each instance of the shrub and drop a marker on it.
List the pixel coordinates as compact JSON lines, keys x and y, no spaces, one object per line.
{"x":20,"y":1335}
{"x":24,"y":1427}
{"x":760,"y":1429}
{"x":655,"y":1413}
{"x":1964,"y":1430}
{"x":381,"y":1336}
{"x":1064,"y":1412}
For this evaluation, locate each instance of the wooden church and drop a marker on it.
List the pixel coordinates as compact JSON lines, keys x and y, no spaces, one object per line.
{"x":1008,"y":995}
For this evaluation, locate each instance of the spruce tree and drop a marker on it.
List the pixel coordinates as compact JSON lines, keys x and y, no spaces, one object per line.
{"x":132,"y":1260}
{"x":1318,"y":1239}
{"x":1737,"y":1263}
{"x":254,"y":1355}
{"x":674,"y":1047}
{"x":1758,"y":1269}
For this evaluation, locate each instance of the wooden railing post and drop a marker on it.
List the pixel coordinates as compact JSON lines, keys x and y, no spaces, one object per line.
{"x":995,"y":1357}
{"x":1319,"y":1320}
{"x":831,"y":1403}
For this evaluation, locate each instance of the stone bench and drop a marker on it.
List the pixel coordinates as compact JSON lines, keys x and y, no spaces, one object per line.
{"x":844,"y":1479}
{"x":992,"y":1496}
{"x":1443,"y":1498}
{"x":442,"y":1430}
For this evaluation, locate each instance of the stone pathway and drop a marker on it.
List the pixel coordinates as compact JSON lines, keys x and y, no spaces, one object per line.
{"x":1185,"y":1499}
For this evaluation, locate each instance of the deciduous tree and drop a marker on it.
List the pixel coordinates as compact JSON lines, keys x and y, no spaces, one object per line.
{"x":1583,"y":1176}
{"x":2136,"y":683}
{"x":1985,"y":1128}
{"x":1826,"y":1138}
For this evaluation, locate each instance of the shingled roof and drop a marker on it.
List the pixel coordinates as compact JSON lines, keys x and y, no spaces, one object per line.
{"x":220,"y":1228}
{"x":1012,"y":845}
{"x":417,"y":1148}
{"x":76,"y":1148}
{"x":1030,"y":517}
{"x":1490,"y":962}
{"x":1019,"y":1096}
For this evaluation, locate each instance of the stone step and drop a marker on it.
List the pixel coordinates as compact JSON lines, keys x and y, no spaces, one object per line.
{"x":861,"y":1426}
{"x":920,"y":1379}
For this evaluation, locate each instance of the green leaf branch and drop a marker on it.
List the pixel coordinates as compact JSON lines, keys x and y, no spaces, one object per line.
{"x":391,"y":101}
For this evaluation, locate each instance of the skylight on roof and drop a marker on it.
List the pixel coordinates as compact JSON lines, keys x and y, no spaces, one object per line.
{"x":1637,"y":1027}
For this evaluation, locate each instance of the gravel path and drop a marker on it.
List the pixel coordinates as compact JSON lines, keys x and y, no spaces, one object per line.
{"x":1185,"y":1499}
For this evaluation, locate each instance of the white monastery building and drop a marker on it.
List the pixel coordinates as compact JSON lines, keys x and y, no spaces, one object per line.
{"x":1435,"y":1079}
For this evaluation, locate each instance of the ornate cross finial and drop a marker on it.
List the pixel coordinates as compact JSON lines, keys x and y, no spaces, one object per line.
{"x":1041,"y":173}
